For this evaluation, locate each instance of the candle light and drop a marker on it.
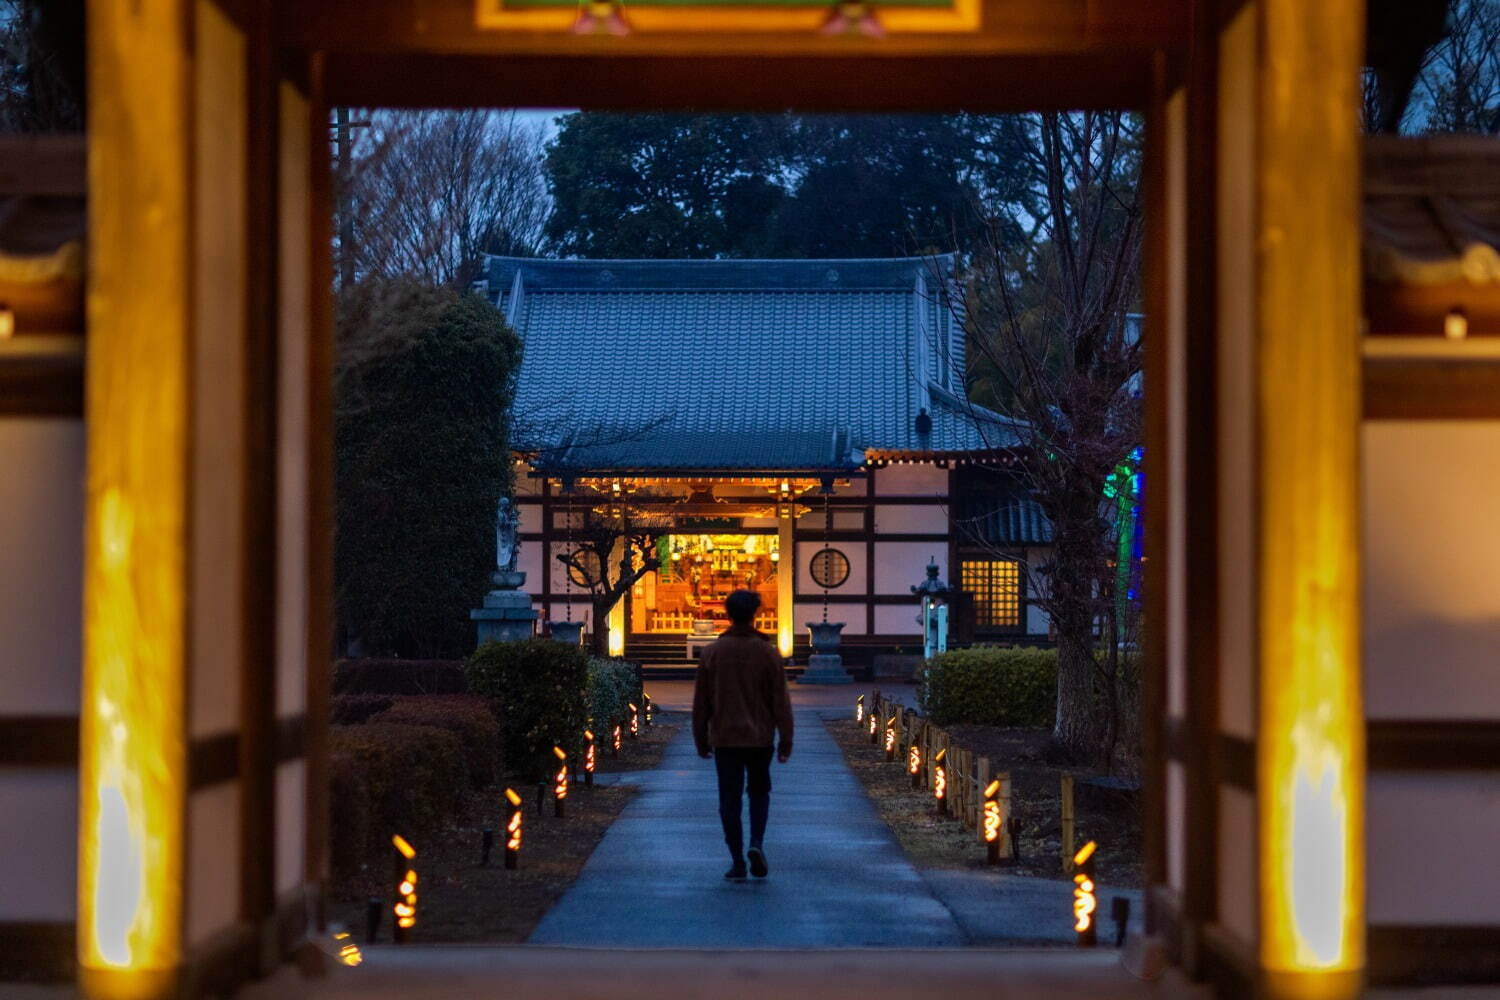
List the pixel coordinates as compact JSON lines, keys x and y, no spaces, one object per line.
{"x":1085,"y":896}
{"x":512,"y":829}
{"x":940,"y":780}
{"x":914,"y":764}
{"x":559,"y":782}
{"x":590,"y":757}
{"x":890,"y":738}
{"x":406,"y":889}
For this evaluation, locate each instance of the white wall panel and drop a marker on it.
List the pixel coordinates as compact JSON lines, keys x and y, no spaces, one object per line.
{"x":854,"y":586}
{"x":911,"y":519}
{"x":899,"y":619}
{"x":38,"y":837}
{"x":1431,"y":552}
{"x":1236,"y":868}
{"x":213,"y":838}
{"x":852,"y":615}
{"x":1431,"y":848}
{"x":291,"y":824}
{"x":41,"y":565}
{"x":911,"y":480}
{"x":899,"y":566}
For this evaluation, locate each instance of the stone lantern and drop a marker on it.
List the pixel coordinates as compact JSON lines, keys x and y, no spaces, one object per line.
{"x":934,"y":616}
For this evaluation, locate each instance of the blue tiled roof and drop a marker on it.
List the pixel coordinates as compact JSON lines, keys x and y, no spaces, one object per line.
{"x":735,"y":364}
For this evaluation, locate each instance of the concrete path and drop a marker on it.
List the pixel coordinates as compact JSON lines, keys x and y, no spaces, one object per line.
{"x":838,"y":877}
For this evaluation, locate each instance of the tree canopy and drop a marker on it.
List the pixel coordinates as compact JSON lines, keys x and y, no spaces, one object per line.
{"x":671,"y":185}
{"x":423,"y":389}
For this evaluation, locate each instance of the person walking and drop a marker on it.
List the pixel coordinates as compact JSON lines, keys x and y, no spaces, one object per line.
{"x":740,"y":706}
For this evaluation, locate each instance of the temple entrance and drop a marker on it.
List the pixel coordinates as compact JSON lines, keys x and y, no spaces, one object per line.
{"x":698,"y":571}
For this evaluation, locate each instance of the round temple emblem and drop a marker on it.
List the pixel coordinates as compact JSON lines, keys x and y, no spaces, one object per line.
{"x":829,"y":568}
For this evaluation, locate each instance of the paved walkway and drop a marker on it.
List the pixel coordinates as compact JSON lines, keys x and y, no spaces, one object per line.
{"x":838,"y":877}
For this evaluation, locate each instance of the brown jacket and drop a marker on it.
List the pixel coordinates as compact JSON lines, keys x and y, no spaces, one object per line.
{"x":741,"y":699}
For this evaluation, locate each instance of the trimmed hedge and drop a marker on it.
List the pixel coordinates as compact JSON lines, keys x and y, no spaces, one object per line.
{"x":382,"y":676}
{"x":465,"y":716}
{"x":992,"y":686}
{"x":352,"y":709}
{"x":386,"y":779}
{"x":542,"y":689}
{"x":613,"y":687}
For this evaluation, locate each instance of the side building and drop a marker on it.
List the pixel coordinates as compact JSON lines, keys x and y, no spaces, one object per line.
{"x":796,"y":427}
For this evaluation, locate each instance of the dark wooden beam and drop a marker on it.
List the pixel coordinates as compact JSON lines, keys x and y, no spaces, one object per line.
{"x":948,"y":81}
{"x":41,"y":384}
{"x":37,"y":951}
{"x":1432,"y":956}
{"x":39,"y":741}
{"x":1434,"y":745}
{"x":1431,"y":389}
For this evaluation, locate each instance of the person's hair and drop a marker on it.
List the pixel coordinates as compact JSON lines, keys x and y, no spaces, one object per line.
{"x":741,"y":606}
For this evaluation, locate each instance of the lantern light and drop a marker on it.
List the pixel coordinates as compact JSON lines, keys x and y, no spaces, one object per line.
{"x":1085,"y":896}
{"x":890,"y":738}
{"x":559,"y":782}
{"x":914,"y":764}
{"x":7,"y":322}
{"x":635,"y":721}
{"x":859,"y":710}
{"x":405,"y":909}
{"x":348,"y":950}
{"x":650,"y":709}
{"x":614,"y":742}
{"x":512,"y":829}
{"x":940,"y":780}
{"x":992,"y":822}
{"x":1455,"y":325}
{"x":590,"y":757}
{"x":874,"y":727}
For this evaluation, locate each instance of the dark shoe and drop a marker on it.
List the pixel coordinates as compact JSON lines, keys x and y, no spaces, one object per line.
{"x":758,"y":866}
{"x":736,"y":872}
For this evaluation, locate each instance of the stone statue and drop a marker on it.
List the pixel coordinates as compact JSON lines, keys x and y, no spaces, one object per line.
{"x":507,"y":536}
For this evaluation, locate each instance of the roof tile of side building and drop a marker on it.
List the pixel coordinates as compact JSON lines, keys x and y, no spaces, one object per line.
{"x":703,"y":364}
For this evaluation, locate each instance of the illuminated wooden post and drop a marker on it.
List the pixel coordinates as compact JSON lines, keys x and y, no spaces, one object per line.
{"x":405,"y":909}
{"x":940,"y":780}
{"x":1085,"y":897}
{"x":890,"y":739}
{"x":635,"y":721}
{"x":1310,"y":751}
{"x":512,"y":829}
{"x":995,"y":828}
{"x":786,"y":571}
{"x":914,"y":763}
{"x":614,"y":742}
{"x":590,"y":757}
{"x":859,"y":710}
{"x":132,"y":795}
{"x":874,"y":725}
{"x":560,"y":782}
{"x":646,"y":701}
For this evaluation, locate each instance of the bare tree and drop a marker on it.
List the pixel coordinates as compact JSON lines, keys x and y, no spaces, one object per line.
{"x":430,"y":192}
{"x":41,"y":65}
{"x":613,"y":546}
{"x":1434,"y":67}
{"x":1047,"y":319}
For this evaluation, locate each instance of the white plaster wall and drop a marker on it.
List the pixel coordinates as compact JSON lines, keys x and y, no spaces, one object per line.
{"x":529,"y":561}
{"x":1236,"y":373}
{"x":531,"y":517}
{"x":217,"y":563}
{"x":38,"y":836}
{"x":1431,"y":848}
{"x":1236,"y":868}
{"x":807,"y":612}
{"x":858,"y":567}
{"x":1038,"y":622}
{"x":213,"y":838}
{"x":911,"y":480}
{"x":1431,"y":552}
{"x":911,"y":519}
{"x":899,"y":566}
{"x":291,"y":824}
{"x":898,"y":619}
{"x":41,"y":565}
{"x":526,"y":486}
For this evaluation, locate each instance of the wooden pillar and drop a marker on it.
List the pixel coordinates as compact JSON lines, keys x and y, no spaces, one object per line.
{"x":1310,"y":759}
{"x":133,"y":760}
{"x":786,"y":579}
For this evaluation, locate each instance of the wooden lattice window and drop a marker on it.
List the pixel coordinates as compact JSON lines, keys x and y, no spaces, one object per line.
{"x":995,"y":585}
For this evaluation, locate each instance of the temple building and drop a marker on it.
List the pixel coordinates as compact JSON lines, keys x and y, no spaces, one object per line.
{"x":796,"y":427}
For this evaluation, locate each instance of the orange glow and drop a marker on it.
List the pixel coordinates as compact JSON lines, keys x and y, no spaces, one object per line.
{"x":590,"y":755}
{"x":913,"y":759}
{"x":560,"y":782}
{"x":616,"y":739}
{"x":992,"y":816}
{"x":1084,"y":902}
{"x":406,"y":907}
{"x":890,"y":735}
{"x":635,"y":721}
{"x":513,"y":824}
{"x":1084,"y":853}
{"x":940,"y":775}
{"x":859,"y":710}
{"x":407,"y":851}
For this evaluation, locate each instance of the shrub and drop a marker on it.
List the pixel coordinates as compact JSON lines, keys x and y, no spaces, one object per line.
{"x":378,"y":676}
{"x":386,"y":779}
{"x":542,"y":688}
{"x":466,"y":716}
{"x":992,"y":686}
{"x":352,"y":709}
{"x":613,"y":687}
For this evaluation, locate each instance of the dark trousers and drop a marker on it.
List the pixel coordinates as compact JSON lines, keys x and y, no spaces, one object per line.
{"x":738,"y":768}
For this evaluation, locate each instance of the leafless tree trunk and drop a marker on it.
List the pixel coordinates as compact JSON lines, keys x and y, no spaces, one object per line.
{"x":430,"y":192}
{"x":1047,"y":324}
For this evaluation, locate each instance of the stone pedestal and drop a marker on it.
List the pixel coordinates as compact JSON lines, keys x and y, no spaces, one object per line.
{"x":569,"y":632}
{"x":825,"y":665}
{"x":507,"y":615}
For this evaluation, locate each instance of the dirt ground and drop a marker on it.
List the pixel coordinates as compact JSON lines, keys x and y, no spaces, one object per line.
{"x":460,"y":902}
{"x":933,"y":841}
